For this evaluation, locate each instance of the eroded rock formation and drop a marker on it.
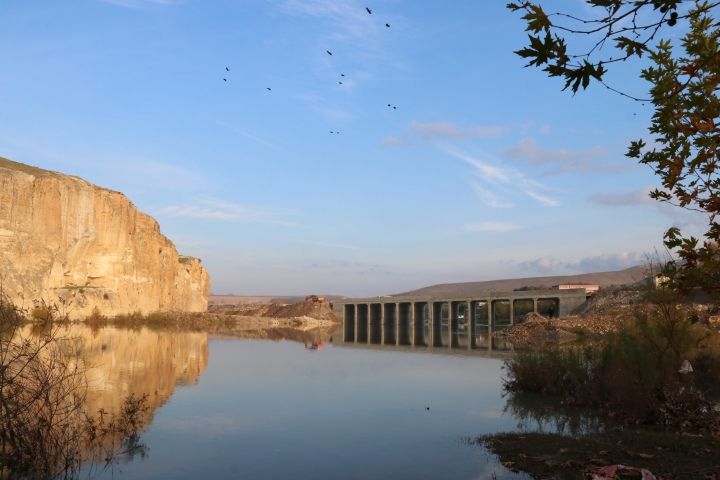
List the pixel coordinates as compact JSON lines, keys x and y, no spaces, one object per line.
{"x":72,"y":244}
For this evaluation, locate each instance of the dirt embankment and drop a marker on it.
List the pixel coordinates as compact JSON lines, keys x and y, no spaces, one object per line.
{"x":552,"y":456}
{"x":605,"y":313}
{"x":315,"y":311}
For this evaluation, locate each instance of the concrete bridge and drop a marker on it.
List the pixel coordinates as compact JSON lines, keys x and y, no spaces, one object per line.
{"x":454,"y":323}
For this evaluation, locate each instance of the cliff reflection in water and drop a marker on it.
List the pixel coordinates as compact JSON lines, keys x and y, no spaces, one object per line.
{"x":121,"y":362}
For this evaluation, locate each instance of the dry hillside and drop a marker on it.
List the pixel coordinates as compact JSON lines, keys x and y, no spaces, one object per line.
{"x":604,"y":279}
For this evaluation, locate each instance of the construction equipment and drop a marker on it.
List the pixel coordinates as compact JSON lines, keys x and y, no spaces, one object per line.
{"x":314,"y":299}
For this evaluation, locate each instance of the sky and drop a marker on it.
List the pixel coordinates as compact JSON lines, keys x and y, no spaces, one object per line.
{"x":484,"y":169}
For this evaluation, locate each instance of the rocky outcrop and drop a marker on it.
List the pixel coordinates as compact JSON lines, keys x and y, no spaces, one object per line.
{"x":72,"y":244}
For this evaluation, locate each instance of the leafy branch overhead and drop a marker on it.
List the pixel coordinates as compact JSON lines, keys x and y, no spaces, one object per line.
{"x":683,"y":80}
{"x":630,"y":26}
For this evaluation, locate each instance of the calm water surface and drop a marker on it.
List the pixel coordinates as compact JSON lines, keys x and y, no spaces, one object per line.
{"x":263,"y":409}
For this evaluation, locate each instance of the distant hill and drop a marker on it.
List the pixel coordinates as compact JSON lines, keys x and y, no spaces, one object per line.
{"x":260,"y":299}
{"x":604,"y":279}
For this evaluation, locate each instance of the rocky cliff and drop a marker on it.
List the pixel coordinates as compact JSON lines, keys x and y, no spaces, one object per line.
{"x":72,"y":244}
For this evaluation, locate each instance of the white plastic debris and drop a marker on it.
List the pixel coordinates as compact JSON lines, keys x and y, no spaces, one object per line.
{"x":685,"y":368}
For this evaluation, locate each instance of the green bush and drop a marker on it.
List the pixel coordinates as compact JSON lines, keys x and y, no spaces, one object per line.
{"x":634,"y":373}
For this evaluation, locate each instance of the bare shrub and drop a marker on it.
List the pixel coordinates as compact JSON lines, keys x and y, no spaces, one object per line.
{"x":635,"y":373}
{"x":45,"y":429}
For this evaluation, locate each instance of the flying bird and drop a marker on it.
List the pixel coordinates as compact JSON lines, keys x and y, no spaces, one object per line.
{"x":227,"y":69}
{"x":224,"y":79}
{"x":368,"y":10}
{"x":269,"y":89}
{"x":342,"y":74}
{"x":387,"y":25}
{"x":329,"y":52}
{"x":340,"y":83}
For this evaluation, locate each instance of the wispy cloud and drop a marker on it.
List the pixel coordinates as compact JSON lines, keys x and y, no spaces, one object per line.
{"x":244,"y":132}
{"x":218,"y":210}
{"x":605,"y":262}
{"x":434,"y":131}
{"x":680,"y":217}
{"x":543,"y":199}
{"x":543,"y":265}
{"x":140,"y":3}
{"x":611,"y":261}
{"x":348,"y":19}
{"x":559,"y":161}
{"x":624,"y":199}
{"x":496,"y":227}
{"x":445,"y":130}
{"x":341,"y":246}
{"x":494,"y":184}
{"x":324,"y":106}
{"x":487,"y":197}
{"x":344,"y":267}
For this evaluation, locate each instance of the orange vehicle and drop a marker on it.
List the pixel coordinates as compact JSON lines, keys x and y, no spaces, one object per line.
{"x":314,"y":346}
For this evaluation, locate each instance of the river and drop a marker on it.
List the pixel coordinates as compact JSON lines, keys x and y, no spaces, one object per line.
{"x":223,"y":406}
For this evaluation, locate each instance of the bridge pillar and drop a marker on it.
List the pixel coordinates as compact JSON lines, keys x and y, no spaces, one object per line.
{"x":512,"y":312}
{"x":349,"y":323}
{"x":435,"y":336}
{"x":413,"y":325}
{"x":535,"y":305}
{"x":452,"y":319}
{"x":470,"y":324}
{"x":491,"y":322}
{"x":376,"y":330}
{"x":382,"y":324}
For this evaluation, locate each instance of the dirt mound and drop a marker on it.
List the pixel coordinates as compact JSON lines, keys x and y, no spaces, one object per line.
{"x":610,"y":302}
{"x":536,"y":330}
{"x":317,"y":311}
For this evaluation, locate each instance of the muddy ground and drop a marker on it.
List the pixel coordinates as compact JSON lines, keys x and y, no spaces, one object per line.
{"x":668,"y":456}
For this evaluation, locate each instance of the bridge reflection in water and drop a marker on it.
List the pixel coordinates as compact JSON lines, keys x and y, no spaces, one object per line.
{"x":458,"y":325}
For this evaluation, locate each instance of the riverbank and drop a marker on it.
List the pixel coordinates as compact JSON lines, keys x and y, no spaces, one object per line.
{"x":554,"y":456}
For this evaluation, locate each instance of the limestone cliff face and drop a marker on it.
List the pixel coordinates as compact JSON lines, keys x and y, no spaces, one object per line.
{"x":70,"y":243}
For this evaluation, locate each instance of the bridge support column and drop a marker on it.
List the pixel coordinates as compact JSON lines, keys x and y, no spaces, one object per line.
{"x":382,"y":324}
{"x":535,"y":305}
{"x":413,"y":324}
{"x":396,"y":329}
{"x":491,"y":323}
{"x":512,"y":312}
{"x":470,"y":324}
{"x":452,"y":318}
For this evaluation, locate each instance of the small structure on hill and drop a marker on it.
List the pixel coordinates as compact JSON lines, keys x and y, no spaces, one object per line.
{"x":590,"y":288}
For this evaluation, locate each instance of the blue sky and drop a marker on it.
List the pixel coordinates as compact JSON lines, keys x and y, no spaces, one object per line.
{"x":485,"y":169}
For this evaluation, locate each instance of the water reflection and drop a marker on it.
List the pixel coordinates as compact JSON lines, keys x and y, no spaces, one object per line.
{"x":443,"y":336}
{"x":262,"y":403}
{"x":537,"y":414}
{"x":122,"y":362}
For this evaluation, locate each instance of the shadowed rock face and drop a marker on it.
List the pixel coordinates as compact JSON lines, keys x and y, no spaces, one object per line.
{"x":71,"y":243}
